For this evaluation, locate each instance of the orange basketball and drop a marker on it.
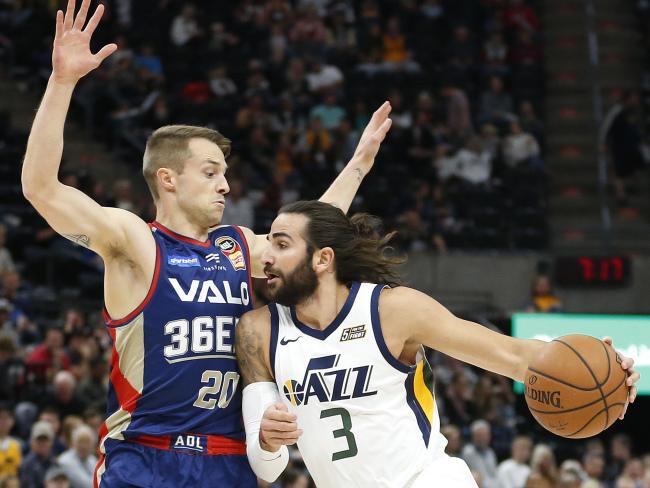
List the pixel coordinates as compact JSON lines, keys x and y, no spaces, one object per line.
{"x":576,"y":387}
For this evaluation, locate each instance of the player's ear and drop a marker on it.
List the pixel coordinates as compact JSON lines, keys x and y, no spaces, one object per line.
{"x":166,"y":180}
{"x":325,"y":259}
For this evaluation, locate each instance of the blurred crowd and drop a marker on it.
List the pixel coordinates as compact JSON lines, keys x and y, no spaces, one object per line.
{"x":293,"y":84}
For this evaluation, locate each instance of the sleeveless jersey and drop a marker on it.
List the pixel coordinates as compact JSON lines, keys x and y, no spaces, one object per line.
{"x":173,"y":367}
{"x":367,"y":419}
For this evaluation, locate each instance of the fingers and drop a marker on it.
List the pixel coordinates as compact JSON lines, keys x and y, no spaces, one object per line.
{"x":383,"y":129}
{"x":632,"y":395}
{"x":607,"y":340}
{"x":626,"y":363}
{"x":622,"y":416}
{"x":276,"y":414}
{"x":94,"y":20}
{"x":105,"y":52}
{"x":69,"y":16}
{"x":81,"y":15}
{"x":59,"y":24}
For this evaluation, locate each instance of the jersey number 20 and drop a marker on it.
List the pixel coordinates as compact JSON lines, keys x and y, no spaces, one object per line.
{"x":216,"y":381}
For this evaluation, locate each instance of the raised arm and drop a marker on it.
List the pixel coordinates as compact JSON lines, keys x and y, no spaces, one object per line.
{"x":343,"y":189}
{"x":69,"y":211}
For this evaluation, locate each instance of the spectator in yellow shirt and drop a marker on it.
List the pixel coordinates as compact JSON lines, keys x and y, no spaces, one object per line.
{"x":10,"y":457}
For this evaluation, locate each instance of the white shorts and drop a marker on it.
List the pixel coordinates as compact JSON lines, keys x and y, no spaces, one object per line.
{"x":445,"y":472}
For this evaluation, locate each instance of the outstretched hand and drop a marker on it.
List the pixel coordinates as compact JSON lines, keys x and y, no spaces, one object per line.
{"x":71,"y":56}
{"x":372,"y":137}
{"x":632,"y":376}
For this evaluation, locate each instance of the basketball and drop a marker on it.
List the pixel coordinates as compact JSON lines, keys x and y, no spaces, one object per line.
{"x":576,"y":387}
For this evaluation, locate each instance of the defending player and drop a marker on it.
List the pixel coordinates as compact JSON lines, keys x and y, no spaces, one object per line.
{"x":338,"y":359}
{"x":174,"y":289}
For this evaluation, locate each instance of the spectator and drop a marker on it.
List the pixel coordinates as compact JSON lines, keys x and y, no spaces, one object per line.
{"x":49,"y":357}
{"x":471,"y":164}
{"x":459,"y":120}
{"x":542,"y":297}
{"x":79,"y":462}
{"x":454,"y":440}
{"x":220,"y":84}
{"x":63,"y":395}
{"x":544,"y":469}
{"x":10,"y":448}
{"x":323,"y":76}
{"x":479,"y":456}
{"x":40,"y":457}
{"x":239,"y":206}
{"x":330,"y":113}
{"x":13,"y":374}
{"x":396,"y":55}
{"x":594,"y":466}
{"x":55,"y":477}
{"x":496,"y":105}
{"x":52,"y":416}
{"x":185,"y":27}
{"x":518,"y":15}
{"x":513,"y":472}
{"x":521,"y":148}
{"x":458,"y":406}
{"x":624,"y":144}
{"x":6,"y":260}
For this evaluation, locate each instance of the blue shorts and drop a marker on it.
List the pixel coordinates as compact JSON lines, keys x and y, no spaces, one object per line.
{"x":127,"y":464}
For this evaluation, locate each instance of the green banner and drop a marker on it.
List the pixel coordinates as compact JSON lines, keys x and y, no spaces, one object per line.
{"x":630,"y":333}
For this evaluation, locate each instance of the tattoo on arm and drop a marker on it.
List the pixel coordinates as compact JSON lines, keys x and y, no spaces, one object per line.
{"x":81,"y":239}
{"x":359,"y":174}
{"x":250,"y":354}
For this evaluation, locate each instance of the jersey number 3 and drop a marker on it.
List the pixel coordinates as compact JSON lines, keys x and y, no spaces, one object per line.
{"x":352,"y":450}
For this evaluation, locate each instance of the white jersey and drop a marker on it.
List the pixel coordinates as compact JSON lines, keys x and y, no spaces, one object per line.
{"x":367,"y":419}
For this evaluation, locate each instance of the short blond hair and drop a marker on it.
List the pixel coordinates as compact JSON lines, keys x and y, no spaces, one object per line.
{"x":168,"y":147}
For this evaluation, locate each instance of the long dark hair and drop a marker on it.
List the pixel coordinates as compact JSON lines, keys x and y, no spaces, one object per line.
{"x":361,"y":252}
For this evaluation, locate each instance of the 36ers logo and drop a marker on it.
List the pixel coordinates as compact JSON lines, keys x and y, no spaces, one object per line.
{"x":232,"y":250}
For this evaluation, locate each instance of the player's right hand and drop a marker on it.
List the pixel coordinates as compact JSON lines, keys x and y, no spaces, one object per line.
{"x":278,"y":428}
{"x":71,"y":56}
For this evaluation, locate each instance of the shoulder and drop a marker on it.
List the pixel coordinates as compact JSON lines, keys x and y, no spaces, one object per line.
{"x":393,"y":300}
{"x":255,"y":323}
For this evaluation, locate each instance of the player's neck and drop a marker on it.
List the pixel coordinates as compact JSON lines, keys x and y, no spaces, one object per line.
{"x":324,"y":305}
{"x":178,"y":222}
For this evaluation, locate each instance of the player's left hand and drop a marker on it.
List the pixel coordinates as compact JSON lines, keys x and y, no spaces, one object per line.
{"x":372,"y":137}
{"x":632,"y":376}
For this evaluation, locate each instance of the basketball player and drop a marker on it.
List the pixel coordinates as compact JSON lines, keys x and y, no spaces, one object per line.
{"x":338,"y":359}
{"x":174,"y":289}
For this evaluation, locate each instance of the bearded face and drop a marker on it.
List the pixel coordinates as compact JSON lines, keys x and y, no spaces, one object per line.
{"x":291,"y":288}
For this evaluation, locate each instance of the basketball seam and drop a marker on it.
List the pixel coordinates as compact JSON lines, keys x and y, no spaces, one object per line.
{"x":545,"y":412}
{"x":591,"y":372}
{"x":565,"y":383}
{"x":609,"y":371}
{"x":592,"y":418}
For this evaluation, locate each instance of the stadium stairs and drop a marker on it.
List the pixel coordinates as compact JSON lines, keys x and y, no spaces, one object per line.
{"x":572,"y":150}
{"x":81,"y":151}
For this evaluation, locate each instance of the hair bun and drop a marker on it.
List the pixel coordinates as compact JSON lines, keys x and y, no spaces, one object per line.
{"x":366,"y":225}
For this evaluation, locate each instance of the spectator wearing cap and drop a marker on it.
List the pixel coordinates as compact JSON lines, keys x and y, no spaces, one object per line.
{"x":479,"y":456}
{"x":79,"y":462}
{"x":55,"y":477}
{"x":10,"y":448}
{"x":513,"y":472}
{"x":39,"y":458}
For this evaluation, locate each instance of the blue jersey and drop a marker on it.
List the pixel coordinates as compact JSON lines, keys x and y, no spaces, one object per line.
{"x":173,"y":367}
